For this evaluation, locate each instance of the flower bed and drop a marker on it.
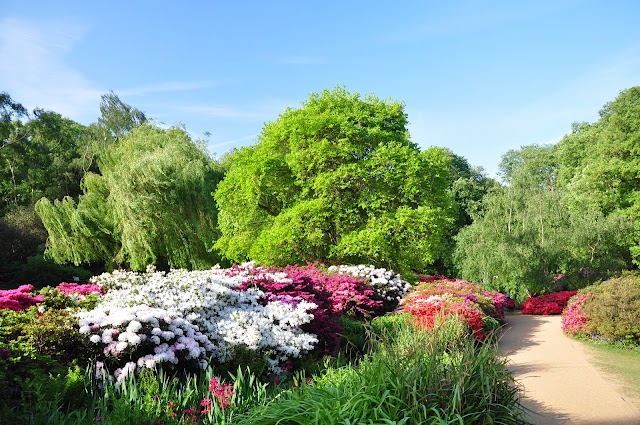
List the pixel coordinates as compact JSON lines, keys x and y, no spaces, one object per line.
{"x":438,"y":297}
{"x":492,"y":303}
{"x":129,"y":329}
{"x":547,"y":304}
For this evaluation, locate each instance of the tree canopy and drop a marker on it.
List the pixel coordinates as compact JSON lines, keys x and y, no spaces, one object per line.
{"x":337,"y":180}
{"x":150,"y":204}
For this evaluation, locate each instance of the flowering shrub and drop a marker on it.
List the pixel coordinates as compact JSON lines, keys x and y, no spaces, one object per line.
{"x":19,"y":299}
{"x":230,"y":315}
{"x":81,"y":291}
{"x":547,"y":304}
{"x":574,"y":320}
{"x":139,"y":337}
{"x":427,"y":312}
{"x":388,"y":286}
{"x":492,"y":303}
{"x":333,"y":295}
{"x":607,"y":311}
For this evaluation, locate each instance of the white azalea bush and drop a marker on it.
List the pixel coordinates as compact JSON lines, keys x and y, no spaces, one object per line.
{"x":133,"y":338}
{"x":213,"y":303}
{"x":386,"y":284}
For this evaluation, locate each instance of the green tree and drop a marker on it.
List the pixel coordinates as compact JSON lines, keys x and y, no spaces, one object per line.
{"x":150,"y":204}
{"x":527,"y":234}
{"x":336,"y":180}
{"x":531,"y":166}
{"x":601,"y":162}
{"x":10,"y":111}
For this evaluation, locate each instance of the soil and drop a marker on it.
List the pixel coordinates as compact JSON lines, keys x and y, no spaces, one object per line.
{"x":559,"y":382}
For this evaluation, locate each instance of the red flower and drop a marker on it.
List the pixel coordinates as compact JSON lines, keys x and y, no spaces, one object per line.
{"x":221,"y":392}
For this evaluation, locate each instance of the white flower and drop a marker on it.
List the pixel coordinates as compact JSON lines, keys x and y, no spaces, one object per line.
{"x":95,"y":339}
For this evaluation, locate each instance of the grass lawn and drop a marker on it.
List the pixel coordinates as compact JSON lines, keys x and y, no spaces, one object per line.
{"x":623,"y":366}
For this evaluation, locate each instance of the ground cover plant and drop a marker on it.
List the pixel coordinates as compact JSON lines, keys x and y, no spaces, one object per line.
{"x":608,"y":312}
{"x":218,"y":346}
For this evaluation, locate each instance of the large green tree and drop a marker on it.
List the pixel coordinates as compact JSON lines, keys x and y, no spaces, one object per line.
{"x":150,"y":204}
{"x":337,"y":180}
{"x":601,"y":162}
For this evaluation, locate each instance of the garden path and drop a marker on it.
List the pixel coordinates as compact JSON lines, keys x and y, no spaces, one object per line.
{"x":560,"y":385}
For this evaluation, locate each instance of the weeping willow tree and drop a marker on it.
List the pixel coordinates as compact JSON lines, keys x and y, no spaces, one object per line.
{"x":150,"y":204}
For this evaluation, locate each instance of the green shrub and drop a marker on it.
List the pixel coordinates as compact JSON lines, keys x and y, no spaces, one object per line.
{"x":37,"y":351}
{"x":614,"y":311}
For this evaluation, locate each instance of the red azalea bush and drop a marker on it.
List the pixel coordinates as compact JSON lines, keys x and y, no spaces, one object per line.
{"x":19,"y":299}
{"x":547,"y":304}
{"x":426,"y":313}
{"x":492,"y":303}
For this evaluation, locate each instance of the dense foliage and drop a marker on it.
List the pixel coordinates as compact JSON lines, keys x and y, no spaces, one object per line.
{"x":567,"y":216}
{"x":150,"y":204}
{"x":144,"y":341}
{"x":45,"y":154}
{"x":608,"y":311}
{"x":336,"y":181}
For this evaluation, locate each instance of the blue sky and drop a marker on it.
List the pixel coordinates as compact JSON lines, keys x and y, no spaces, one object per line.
{"x":477,"y":77}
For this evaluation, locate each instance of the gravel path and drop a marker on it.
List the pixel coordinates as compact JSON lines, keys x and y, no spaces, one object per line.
{"x":560,"y":385}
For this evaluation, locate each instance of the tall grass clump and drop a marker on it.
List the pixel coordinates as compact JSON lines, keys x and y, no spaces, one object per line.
{"x":411,"y":376}
{"x":155,"y":397}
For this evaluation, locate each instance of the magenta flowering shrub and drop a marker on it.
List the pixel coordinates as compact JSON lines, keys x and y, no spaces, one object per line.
{"x":547,"y":304}
{"x":574,"y":320}
{"x":19,"y":299}
{"x":333,"y":294}
{"x":82,"y":290}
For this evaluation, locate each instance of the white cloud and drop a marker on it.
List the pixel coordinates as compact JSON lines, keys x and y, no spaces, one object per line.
{"x":34,"y":72}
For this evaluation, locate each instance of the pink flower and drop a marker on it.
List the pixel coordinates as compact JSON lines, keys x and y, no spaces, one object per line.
{"x":221,"y":392}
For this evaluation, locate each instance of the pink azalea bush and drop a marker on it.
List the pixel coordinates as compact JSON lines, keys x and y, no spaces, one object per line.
{"x":547,"y":304}
{"x":19,"y":299}
{"x":492,"y":303}
{"x":574,"y":320}
{"x":82,"y":290}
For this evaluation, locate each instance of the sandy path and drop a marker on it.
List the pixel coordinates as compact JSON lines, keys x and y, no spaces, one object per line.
{"x":560,"y":385}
